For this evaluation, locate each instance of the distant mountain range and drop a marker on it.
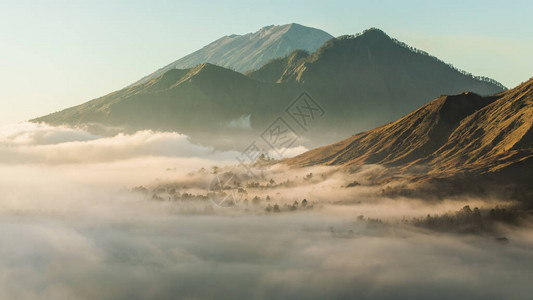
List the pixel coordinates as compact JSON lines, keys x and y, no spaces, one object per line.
{"x":464,"y":142}
{"x":360,"y":81}
{"x":250,"y":51}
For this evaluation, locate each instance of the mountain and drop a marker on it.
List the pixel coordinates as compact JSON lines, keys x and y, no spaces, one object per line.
{"x":371,"y":57}
{"x":412,"y":137}
{"x":201,"y":102}
{"x":371,"y":79}
{"x":250,"y":51}
{"x":459,"y":139}
{"x":359,"y":82}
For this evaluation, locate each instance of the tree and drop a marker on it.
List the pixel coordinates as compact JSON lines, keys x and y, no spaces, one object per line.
{"x":304,"y":203}
{"x":215,"y":169}
{"x":294,"y":206}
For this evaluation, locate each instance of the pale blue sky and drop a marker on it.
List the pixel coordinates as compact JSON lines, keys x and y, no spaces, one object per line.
{"x":55,"y":54}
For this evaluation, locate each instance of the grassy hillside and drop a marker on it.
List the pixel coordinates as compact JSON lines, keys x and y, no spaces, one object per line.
{"x":454,"y":139}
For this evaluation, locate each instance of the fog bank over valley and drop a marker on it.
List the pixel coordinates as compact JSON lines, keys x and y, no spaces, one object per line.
{"x":143,"y":216}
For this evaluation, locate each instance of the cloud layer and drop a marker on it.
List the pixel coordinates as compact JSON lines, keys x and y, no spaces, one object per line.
{"x":254,"y":257}
{"x":38,"y":143}
{"x":71,"y":228}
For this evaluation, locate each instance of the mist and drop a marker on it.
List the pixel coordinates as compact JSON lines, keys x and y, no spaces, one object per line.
{"x":75,"y":224}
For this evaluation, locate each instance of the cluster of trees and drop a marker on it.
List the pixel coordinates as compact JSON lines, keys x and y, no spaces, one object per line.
{"x":269,"y":184}
{"x":467,"y":220}
{"x":212,"y":170}
{"x":180,"y":197}
{"x":170,"y":192}
{"x":286,"y":207}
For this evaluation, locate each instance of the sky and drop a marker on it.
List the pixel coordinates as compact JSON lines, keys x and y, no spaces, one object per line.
{"x":57,"y":54}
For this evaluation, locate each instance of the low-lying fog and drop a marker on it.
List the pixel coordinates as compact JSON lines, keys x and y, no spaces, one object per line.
{"x":138,"y":216}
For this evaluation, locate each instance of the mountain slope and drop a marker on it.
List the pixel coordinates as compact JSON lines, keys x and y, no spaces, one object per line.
{"x":200,"y":101}
{"x":252,"y":50}
{"x":451,"y":137}
{"x":356,"y":77}
{"x":412,"y":137}
{"x":493,"y":136}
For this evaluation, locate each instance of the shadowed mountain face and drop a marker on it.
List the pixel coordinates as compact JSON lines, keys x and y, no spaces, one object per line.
{"x":489,"y":138}
{"x":371,"y":79}
{"x":360,"y":82}
{"x":252,"y":50}
{"x":201,"y":102}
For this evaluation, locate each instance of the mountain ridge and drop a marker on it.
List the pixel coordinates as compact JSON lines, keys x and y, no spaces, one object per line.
{"x":373,"y":37}
{"x":457,"y":140}
{"x":251,"y":50}
{"x":358,"y":91}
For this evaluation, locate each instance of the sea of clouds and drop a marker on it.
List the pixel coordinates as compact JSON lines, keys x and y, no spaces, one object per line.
{"x":71,"y":228}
